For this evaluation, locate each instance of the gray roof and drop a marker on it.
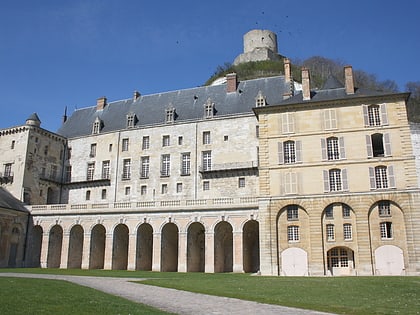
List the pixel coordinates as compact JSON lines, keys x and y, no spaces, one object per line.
{"x":188,"y":104}
{"x":7,"y":201}
{"x":34,"y":116}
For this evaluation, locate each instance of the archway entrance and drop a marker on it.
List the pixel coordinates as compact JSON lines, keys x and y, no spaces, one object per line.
{"x":389,"y":261}
{"x":195,"y":248}
{"x":144,"y":247}
{"x":223,"y":247}
{"x":75,"y":247}
{"x":97,"y":247}
{"x":36,"y":245}
{"x":120,"y":248}
{"x":251,"y":246}
{"x":54,"y":247}
{"x":340,"y":261}
{"x":169,"y":248}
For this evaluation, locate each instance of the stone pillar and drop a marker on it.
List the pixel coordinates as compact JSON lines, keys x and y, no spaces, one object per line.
{"x":209,"y":253}
{"x":157,"y":236}
{"x":182,"y":251}
{"x":132,"y":246}
{"x":109,"y":242}
{"x":268,"y":244}
{"x":65,"y":250}
{"x":238,"y":265}
{"x":44,"y":249}
{"x":86,"y":251}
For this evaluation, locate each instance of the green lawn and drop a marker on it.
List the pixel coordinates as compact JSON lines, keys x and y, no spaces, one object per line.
{"x":342,"y":295}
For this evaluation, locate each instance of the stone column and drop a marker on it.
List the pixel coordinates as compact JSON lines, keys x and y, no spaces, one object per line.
{"x":182,"y":251}
{"x":209,"y":253}
{"x":157,"y":236}
{"x":86,"y":251}
{"x":65,"y":250}
{"x":238,"y":265}
{"x":268,"y":242}
{"x":132,"y":246}
{"x":44,"y":249}
{"x":109,"y":242}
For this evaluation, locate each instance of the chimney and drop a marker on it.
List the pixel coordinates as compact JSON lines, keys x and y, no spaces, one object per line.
{"x":306,"y":89}
{"x":348,"y":77}
{"x":136,"y":95}
{"x":231,"y":82}
{"x":101,"y":103}
{"x":288,"y":78}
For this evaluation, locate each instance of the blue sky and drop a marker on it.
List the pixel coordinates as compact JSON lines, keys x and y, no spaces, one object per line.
{"x":56,"y":53}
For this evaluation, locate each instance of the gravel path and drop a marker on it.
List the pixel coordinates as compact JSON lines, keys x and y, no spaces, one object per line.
{"x":171,"y":300}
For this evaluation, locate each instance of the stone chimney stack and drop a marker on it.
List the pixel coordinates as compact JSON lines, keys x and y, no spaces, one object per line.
{"x":101,"y":103}
{"x":348,"y":77}
{"x":288,"y":78}
{"x":231,"y":82}
{"x":306,"y":88}
{"x":136,"y":95}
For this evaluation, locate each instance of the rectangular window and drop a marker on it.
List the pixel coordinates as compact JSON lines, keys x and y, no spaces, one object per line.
{"x":288,"y":123}
{"x":96,"y":127}
{"x":126,"y":169}
{"x":164,"y":189}
{"x":206,"y":137}
{"x":103,"y":194}
{"x":87,"y":197}
{"x":106,"y":170}
{"x":347,"y":232}
{"x":384,"y":208}
{"x":53,"y":173}
{"x":127,"y":190}
{"x":290,"y":183}
{"x":144,"y":167}
{"x":330,"y":232}
{"x":374,"y":116}
{"x":206,"y":185}
{"x":145,"y":143}
{"x":68,"y":174}
{"x":178,"y":187}
{"x":330,"y":119}
{"x":143,"y":190}
{"x":125,"y":143}
{"x":92,"y":150}
{"x":289,"y":152}
{"x":241,"y":182}
{"x":333,"y":151}
{"x":329,"y":212}
{"x":165,"y":165}
{"x":293,"y":233}
{"x":110,"y":147}
{"x":346,"y":211}
{"x":12,"y":146}
{"x":130,"y":120}
{"x":206,"y":160}
{"x":180,"y":140}
{"x":185,"y":164}
{"x":386,"y":230}
{"x":335,"y":180}
{"x":381,"y":178}
{"x":166,"y":141}
{"x":90,"y":171}
{"x":292,"y":213}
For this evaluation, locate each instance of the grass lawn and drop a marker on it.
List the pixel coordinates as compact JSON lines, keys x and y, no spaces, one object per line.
{"x":342,"y":295}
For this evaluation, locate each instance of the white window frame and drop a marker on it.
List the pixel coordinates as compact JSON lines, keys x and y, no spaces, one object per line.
{"x":206,"y":137}
{"x":293,"y":233}
{"x":347,"y":232}
{"x":330,"y":232}
{"x":125,"y":144}
{"x":206,"y":157}
{"x":145,"y":143}
{"x":165,"y":169}
{"x":186,"y":164}
{"x":386,"y":230}
{"x":166,"y":141}
{"x":126,"y":169}
{"x":144,"y":166}
{"x":106,"y":167}
{"x":90,"y":173}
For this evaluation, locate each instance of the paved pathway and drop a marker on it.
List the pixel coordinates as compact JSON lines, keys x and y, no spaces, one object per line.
{"x":171,"y":300}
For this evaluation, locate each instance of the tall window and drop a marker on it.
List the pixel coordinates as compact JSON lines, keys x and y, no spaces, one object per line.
{"x":103,"y":194}
{"x":106,"y":170}
{"x":131,"y":120}
{"x":68,"y":174}
{"x":125,"y":143}
{"x":384,"y":208}
{"x":170,"y":115}
{"x":165,"y":141}
{"x":374,"y":115}
{"x":178,"y":187}
{"x":335,"y":180}
{"x":144,"y":166}
{"x":143,"y":190}
{"x":329,"y":212}
{"x":206,"y":185}
{"x":289,"y":152}
{"x":165,"y":165}
{"x":206,"y":160}
{"x":164,"y":189}
{"x":241,"y":182}
{"x":378,"y":145}
{"x":206,"y":137}
{"x":292,"y":213}
{"x":145,"y":143}
{"x":12,"y":146}
{"x":330,"y":232}
{"x":96,"y":128}
{"x":347,"y":231}
{"x":386,"y":230}
{"x":293,"y":233}
{"x":87,"y":197}
{"x":7,"y":170}
{"x":126,"y":169}
{"x":90,"y":171}
{"x":290,"y":183}
{"x":208,"y":109}
{"x":330,"y":119}
{"x":346,"y":211}
{"x":288,"y":122}
{"x":333,"y":152}
{"x":185,"y":164}
{"x":92,"y":150}
{"x":381,"y":178}
{"x":53,"y":173}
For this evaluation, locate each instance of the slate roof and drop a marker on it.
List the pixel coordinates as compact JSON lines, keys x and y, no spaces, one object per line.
{"x":7,"y":201}
{"x":188,"y":104}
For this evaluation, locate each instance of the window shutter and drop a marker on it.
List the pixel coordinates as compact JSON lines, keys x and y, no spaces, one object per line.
{"x":344,"y":179}
{"x":326,"y":181}
{"x":280,"y":152}
{"x":372,"y":178}
{"x":384,"y":116}
{"x":324,"y":149}
{"x":333,"y":119}
{"x":391,"y":177}
{"x":298,"y":147}
{"x":387,"y":144}
{"x":294,"y":182}
{"x":342,"y":151}
{"x":365,"y":115}
{"x":369,"y":146}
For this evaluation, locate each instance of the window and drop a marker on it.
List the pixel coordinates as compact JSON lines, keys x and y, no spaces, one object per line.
{"x":330,"y":119}
{"x":384,"y":208}
{"x":126,"y":169}
{"x":106,"y":170}
{"x":289,"y":152}
{"x":241,"y":182}
{"x":329,"y":212}
{"x":170,"y":115}
{"x":338,"y":257}
{"x":330,"y":232}
{"x":386,"y":230}
{"x":68,"y":174}
{"x":346,"y":211}
{"x":373,"y":115}
{"x":87,"y":195}
{"x":144,"y":167}
{"x":332,"y":148}
{"x":96,"y":128}
{"x":125,"y":143}
{"x":185,"y":164}
{"x":92,"y":150}
{"x":206,"y":185}
{"x":260,"y":100}
{"x":381,"y":178}
{"x":293,"y":233}
{"x":12,"y":146}
{"x":164,"y":189}
{"x":46,"y":150}
{"x":110,"y":147}
{"x":225,"y":138}
{"x":290,"y":183}
{"x":145,"y":143}
{"x":292,"y":213}
{"x":127,"y":190}
{"x":335,"y":180}
{"x":347,"y":232}
{"x":207,"y":161}
{"x":206,"y":137}
{"x":180,"y":140}
{"x":90,"y":171}
{"x":288,"y":123}
{"x":208,"y":109}
{"x":131,"y":120}
{"x":178,"y":187}
{"x":103,"y":194}
{"x":378,"y":145}
{"x":53,"y":172}
{"x":143,"y":190}
{"x":165,"y":165}
{"x":165,"y":141}
{"x":8,"y":170}
{"x":257,"y":131}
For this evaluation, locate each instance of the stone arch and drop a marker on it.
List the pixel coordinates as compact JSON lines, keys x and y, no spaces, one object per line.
{"x":251,"y":246}
{"x":97,"y":247}
{"x":389,"y":261}
{"x":54,"y":247}
{"x":144,"y":247}
{"x":120,"y":247}
{"x":75,"y":247}
{"x":35,"y":246}
{"x":14,"y":246}
{"x":169,"y":248}
{"x":340,"y":261}
{"x":294,"y":262}
{"x":195,"y":247}
{"x":223,"y":247}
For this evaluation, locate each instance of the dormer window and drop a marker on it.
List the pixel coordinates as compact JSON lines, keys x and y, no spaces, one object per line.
{"x":131,"y":120}
{"x":209,"y":109}
{"x":97,"y":126}
{"x":170,"y":114}
{"x":260,"y":100}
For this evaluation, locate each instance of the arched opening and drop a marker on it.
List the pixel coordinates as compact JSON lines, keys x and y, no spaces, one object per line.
{"x":223,"y":247}
{"x":340,"y":261}
{"x":294,"y":262}
{"x":35,"y":247}
{"x":144,"y":247}
{"x":195,"y":247}
{"x":169,"y":248}
{"x":120,"y":248}
{"x":97,"y":247}
{"x":389,"y":261}
{"x":75,"y":247}
{"x":14,"y":245}
{"x":54,"y":247}
{"x":251,"y":246}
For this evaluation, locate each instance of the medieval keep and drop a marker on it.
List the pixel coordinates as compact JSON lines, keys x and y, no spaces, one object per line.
{"x":264,"y":175}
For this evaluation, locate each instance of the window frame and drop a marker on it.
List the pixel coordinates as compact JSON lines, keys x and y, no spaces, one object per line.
{"x":293,"y":233}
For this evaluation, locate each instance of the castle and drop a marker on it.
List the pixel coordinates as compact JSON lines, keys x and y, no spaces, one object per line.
{"x":247,"y":176}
